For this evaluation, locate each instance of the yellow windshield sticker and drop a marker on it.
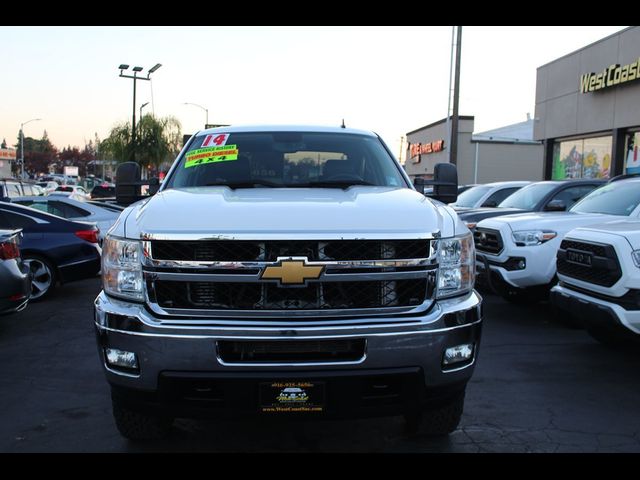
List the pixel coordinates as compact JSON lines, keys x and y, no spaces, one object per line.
{"x":202,"y":156}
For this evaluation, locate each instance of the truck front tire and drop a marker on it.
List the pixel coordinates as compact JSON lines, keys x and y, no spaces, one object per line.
{"x":139,"y":426}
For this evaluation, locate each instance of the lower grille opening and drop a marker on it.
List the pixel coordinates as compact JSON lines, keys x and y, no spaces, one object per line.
{"x":283,"y":351}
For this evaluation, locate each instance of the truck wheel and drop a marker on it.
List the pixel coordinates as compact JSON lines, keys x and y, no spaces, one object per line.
{"x":138,"y":426}
{"x":436,"y":422}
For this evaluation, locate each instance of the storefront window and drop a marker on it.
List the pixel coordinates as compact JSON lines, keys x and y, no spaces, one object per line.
{"x":582,"y":158}
{"x":632,"y":164}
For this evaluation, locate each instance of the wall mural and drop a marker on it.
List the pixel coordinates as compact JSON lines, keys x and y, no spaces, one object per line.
{"x":583,"y":158}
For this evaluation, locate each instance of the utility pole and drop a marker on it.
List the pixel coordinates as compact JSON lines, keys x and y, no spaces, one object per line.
{"x":453,"y":159}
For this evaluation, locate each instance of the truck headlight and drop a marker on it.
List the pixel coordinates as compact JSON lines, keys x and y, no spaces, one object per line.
{"x":122,"y":268}
{"x":456,"y":259}
{"x":528,"y":238}
{"x":636,"y":257}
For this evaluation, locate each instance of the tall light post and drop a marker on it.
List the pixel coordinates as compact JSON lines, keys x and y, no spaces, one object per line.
{"x":206,"y":111}
{"x":135,"y":77}
{"x":141,"y":107}
{"x":22,"y":143}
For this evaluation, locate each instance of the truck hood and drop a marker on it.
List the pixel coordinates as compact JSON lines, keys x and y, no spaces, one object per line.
{"x":222,"y":213}
{"x":560,"y":222}
{"x":477,"y":214}
{"x":629,"y":229}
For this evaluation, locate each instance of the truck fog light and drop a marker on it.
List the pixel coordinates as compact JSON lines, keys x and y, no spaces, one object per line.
{"x":522,"y":264}
{"x":457,"y":354}
{"x":121,"y":358}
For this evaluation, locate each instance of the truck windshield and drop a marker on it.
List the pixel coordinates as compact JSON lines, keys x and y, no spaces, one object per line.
{"x":285,"y":159}
{"x":617,"y":198}
{"x":527,"y":197}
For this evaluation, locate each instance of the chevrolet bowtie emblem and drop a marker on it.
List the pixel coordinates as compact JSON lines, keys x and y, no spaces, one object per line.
{"x":292,"y":271}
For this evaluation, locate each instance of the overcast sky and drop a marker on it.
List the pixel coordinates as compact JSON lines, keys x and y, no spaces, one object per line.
{"x":388,"y":79}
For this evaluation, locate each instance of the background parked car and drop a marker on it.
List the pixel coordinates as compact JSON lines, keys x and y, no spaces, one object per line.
{"x":49,"y":186}
{"x":54,"y":249}
{"x":599,"y":273}
{"x":548,"y":196}
{"x":12,"y":187}
{"x":487,"y":195}
{"x":15,"y":282}
{"x":74,"y":191}
{"x":71,"y":209}
{"x":516,"y":254}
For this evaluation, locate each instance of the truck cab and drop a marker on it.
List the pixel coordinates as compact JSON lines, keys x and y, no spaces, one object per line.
{"x":296,"y":256}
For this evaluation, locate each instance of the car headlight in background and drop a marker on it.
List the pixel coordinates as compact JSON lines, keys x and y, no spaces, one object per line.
{"x":122,"y":268}
{"x":471,"y":225}
{"x":636,"y":257}
{"x":456,"y":259}
{"x":528,"y":238}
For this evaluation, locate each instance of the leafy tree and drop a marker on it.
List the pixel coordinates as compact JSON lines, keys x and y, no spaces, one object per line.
{"x":38,"y":155}
{"x":117,"y":146}
{"x":158,"y":140}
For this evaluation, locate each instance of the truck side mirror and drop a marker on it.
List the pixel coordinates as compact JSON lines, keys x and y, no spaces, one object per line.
{"x":445,"y":185}
{"x":555,"y":206}
{"x":128,"y":183}
{"x":419,"y":183}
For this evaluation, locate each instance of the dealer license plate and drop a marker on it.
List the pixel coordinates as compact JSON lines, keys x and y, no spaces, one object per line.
{"x":292,"y":397}
{"x":579,"y":257}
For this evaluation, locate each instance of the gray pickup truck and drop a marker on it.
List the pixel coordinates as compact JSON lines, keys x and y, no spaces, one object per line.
{"x":287,"y":271}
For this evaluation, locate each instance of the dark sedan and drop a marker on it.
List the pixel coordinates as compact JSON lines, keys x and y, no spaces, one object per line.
{"x":15,"y":282}
{"x":547,"y":196}
{"x":56,"y":250}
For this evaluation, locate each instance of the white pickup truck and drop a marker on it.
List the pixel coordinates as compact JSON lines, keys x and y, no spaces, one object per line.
{"x":599,"y":273}
{"x":516,"y":254}
{"x":287,"y":257}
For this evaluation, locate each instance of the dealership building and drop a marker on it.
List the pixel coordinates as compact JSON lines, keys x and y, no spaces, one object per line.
{"x":506,"y":153}
{"x":587,"y":111}
{"x":7,"y":157}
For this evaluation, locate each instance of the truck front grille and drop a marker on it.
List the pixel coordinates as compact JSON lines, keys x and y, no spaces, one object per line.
{"x":267,"y":296}
{"x":223,"y":278}
{"x":488,"y":241}
{"x":270,"y":250}
{"x":591,"y":262}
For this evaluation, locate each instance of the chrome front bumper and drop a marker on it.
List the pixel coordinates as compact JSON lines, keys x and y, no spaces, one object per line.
{"x":414,"y":341}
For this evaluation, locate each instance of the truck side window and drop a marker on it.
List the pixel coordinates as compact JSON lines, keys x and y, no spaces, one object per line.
{"x":571,"y":195}
{"x":497,"y":197}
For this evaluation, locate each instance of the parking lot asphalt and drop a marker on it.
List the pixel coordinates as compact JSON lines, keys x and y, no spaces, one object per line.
{"x":538,"y":387}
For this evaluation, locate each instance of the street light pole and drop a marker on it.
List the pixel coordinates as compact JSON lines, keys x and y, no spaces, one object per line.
{"x":141,"y":107}
{"x":22,"y":143}
{"x":135,"y":77}
{"x":200,"y":106}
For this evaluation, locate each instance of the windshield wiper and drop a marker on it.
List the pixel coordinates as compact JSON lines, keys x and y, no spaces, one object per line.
{"x":247,"y":184}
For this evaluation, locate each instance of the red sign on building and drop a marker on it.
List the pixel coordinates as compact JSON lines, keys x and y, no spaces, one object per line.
{"x":418,"y":149}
